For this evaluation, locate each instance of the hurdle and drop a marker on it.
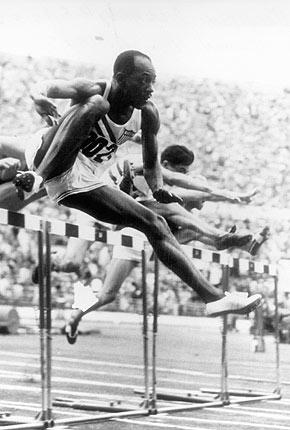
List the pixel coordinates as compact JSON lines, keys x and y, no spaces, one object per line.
{"x":117,"y":406}
{"x":239,"y":396}
{"x":45,"y":229}
{"x":156,"y":395}
{"x":223,"y":396}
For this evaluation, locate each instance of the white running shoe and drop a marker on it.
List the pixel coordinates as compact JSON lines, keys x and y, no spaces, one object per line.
{"x":233,"y":303}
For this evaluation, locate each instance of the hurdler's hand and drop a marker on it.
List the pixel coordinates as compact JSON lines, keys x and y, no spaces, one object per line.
{"x":8,"y":168}
{"x":247,"y":198}
{"x":232,"y":197}
{"x":46,"y":109}
{"x":164,"y":196}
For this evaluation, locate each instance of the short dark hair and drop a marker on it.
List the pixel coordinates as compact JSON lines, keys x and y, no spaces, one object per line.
{"x":125,"y":62}
{"x":177,"y":154}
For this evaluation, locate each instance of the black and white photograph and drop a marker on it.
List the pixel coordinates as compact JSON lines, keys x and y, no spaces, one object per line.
{"x":145,"y":214}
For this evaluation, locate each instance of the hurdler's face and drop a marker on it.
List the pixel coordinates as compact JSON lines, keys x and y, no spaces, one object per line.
{"x":180,"y":168}
{"x":139,"y":85}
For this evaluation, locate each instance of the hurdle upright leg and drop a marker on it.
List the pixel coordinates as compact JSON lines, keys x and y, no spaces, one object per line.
{"x":154,"y":340}
{"x":224,"y":394}
{"x":42,"y":335}
{"x":48,"y":321}
{"x":277,"y":338}
{"x":145,"y":330}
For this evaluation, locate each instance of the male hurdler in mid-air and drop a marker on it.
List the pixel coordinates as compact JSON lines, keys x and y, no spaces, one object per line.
{"x":69,"y":157}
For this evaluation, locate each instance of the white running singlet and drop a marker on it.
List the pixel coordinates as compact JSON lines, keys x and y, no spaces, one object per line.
{"x":98,"y":149}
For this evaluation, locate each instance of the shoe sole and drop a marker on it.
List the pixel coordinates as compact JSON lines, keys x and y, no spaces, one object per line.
{"x":71,"y":340}
{"x":20,"y":190}
{"x":25,"y":182}
{"x":255,"y":251}
{"x":26,"y":185}
{"x":241,"y":311}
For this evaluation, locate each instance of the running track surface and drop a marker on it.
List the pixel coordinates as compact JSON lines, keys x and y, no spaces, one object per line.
{"x":107,"y":366}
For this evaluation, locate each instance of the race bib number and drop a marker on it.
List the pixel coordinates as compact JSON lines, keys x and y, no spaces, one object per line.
{"x":98,"y":148}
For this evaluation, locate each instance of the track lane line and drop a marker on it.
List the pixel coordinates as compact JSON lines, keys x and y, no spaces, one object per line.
{"x":231,"y":423}
{"x":140,"y":367}
{"x":161,"y":425}
{"x":92,"y":372}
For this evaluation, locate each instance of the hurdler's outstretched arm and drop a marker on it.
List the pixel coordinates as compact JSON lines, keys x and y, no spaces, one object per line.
{"x":184,"y":181}
{"x":189,"y":196}
{"x":191,"y":188}
{"x":206,"y":192}
{"x":177,"y":179}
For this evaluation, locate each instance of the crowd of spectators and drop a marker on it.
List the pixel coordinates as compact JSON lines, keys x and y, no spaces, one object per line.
{"x":240,"y":138}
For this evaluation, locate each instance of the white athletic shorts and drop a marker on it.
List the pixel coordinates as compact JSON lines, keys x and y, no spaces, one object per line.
{"x":83,"y":176}
{"x":126,"y":253}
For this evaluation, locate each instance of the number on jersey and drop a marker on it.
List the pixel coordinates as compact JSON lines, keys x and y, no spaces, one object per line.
{"x":98,"y":148}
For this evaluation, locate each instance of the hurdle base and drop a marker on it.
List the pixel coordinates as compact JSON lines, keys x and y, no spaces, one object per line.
{"x":97,"y":407}
{"x":19,"y":423}
{"x":101,"y":417}
{"x":186,"y":407}
{"x":255,"y":399}
{"x":188,"y":397}
{"x":243,"y":396}
{"x":238,"y":393}
{"x":42,"y":416}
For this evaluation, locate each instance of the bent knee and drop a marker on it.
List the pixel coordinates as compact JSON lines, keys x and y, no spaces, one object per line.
{"x":157,"y":226}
